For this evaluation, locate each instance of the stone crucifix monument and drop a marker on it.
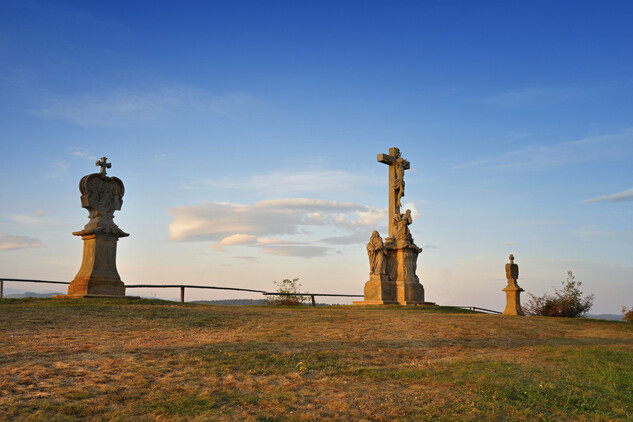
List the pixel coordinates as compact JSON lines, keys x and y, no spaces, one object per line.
{"x":393,"y":263}
{"x":101,"y":195}
{"x":513,"y":291}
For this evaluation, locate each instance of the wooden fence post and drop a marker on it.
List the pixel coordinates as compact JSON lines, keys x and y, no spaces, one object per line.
{"x":182,"y":294}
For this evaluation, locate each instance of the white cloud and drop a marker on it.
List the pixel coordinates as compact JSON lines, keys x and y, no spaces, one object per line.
{"x":218,"y":220}
{"x":243,"y":240}
{"x":81,"y":154}
{"x":232,"y":225}
{"x":626,"y":195}
{"x":271,"y":246}
{"x":11,"y":242}
{"x":536,"y":157}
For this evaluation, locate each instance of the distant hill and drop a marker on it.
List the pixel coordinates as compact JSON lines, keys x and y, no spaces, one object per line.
{"x":610,"y":317}
{"x":32,"y":294}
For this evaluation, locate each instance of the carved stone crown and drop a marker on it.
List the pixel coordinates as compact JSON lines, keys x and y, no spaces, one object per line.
{"x":101,"y":195}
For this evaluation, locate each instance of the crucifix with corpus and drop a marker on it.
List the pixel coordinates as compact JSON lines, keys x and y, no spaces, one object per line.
{"x":397,"y":166}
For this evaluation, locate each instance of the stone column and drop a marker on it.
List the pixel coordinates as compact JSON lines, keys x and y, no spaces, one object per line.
{"x":98,"y":276}
{"x":513,"y":291}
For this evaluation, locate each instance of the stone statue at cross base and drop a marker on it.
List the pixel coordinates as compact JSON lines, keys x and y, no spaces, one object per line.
{"x":401,"y":223}
{"x":98,"y":276}
{"x":376,"y":253}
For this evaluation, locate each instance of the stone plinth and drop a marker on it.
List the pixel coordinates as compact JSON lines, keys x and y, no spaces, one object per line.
{"x":513,"y":299}
{"x":98,"y":276}
{"x":379,"y":291}
{"x":399,"y":285}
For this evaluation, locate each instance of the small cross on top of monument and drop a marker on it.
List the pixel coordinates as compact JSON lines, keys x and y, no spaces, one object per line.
{"x":102,"y":163}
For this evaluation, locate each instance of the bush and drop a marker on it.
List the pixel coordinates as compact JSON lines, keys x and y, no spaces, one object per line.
{"x":567,"y":302}
{"x":288,"y":286}
{"x":628,"y":314}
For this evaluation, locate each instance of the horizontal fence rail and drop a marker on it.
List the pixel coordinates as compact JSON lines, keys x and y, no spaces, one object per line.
{"x":476,"y":308}
{"x":182,"y":288}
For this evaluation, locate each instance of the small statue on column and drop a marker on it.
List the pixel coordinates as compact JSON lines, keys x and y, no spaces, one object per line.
{"x":513,"y":291}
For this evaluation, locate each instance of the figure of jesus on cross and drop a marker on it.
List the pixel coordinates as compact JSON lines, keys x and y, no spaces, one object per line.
{"x":397,"y":166}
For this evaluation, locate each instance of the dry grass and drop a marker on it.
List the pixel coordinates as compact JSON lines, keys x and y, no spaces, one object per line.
{"x":151,"y":360}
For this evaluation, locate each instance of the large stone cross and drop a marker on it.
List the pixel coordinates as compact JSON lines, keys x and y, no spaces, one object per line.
{"x":102,"y":163}
{"x":397,"y":166}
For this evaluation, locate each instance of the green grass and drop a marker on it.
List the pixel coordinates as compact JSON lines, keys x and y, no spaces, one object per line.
{"x":150,"y":359}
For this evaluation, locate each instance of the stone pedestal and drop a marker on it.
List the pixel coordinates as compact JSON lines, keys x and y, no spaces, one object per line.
{"x":379,"y":291}
{"x":98,"y":276}
{"x":400,"y":285}
{"x":513,"y":299}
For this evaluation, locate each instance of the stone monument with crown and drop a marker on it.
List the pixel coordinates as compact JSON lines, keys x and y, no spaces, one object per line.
{"x":513,"y":291}
{"x":393,"y":263}
{"x":101,"y":195}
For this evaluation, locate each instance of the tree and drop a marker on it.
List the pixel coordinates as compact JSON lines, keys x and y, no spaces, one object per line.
{"x":567,"y":302}
{"x":628,"y":314}
{"x":288,"y":286}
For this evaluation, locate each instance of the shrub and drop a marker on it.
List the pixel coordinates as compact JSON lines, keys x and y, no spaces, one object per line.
{"x":628,"y":314}
{"x":567,"y":302}
{"x":288,"y":286}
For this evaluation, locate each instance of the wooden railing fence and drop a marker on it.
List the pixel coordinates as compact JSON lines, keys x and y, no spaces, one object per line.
{"x":182,"y":288}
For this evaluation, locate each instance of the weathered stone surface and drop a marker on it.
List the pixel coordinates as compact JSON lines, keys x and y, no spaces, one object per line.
{"x":512,"y":289}
{"x":393,"y":263}
{"x":98,"y":276}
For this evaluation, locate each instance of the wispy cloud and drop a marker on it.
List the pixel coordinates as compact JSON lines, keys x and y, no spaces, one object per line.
{"x":593,"y":232}
{"x":133,"y":106}
{"x":218,"y":220}
{"x":230,"y":225}
{"x":81,"y":154}
{"x":57,"y":169}
{"x":11,"y":242}
{"x":529,"y":96}
{"x":623,"y":196}
{"x":38,"y":217}
{"x":251,"y":259}
{"x":531,"y":223}
{"x":309,"y":181}
{"x":536,"y":157}
{"x":271,"y":246}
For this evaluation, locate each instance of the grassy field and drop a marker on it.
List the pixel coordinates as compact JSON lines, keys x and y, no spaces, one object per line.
{"x":150,"y":360}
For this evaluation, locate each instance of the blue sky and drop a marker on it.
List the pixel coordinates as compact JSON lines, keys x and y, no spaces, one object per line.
{"x":246,"y":134}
